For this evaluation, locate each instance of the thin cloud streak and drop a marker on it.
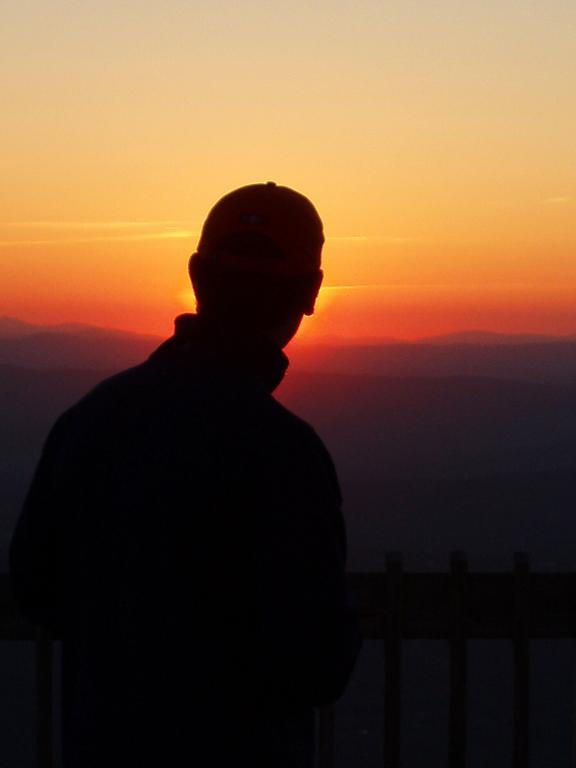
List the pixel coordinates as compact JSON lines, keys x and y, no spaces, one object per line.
{"x":367,"y":239}
{"x":94,"y":224}
{"x":456,"y":287}
{"x":177,"y":229}
{"x":176,"y":235}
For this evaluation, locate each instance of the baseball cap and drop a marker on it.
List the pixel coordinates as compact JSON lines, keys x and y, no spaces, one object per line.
{"x":263,"y":228}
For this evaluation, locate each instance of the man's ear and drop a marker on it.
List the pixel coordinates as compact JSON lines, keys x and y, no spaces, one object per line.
{"x":311,"y":291}
{"x":200,"y":277}
{"x":197,"y":269}
{"x":192,"y":267}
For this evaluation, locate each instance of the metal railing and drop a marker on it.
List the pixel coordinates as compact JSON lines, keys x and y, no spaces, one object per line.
{"x":456,"y":606}
{"x":14,"y":628}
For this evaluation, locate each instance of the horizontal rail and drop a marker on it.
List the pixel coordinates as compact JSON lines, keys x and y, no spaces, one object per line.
{"x":393,"y":605}
{"x":427,"y":606}
{"x":490,"y":605}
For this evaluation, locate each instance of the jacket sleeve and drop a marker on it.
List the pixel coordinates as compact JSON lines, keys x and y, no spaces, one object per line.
{"x":38,"y":546}
{"x":313,"y":630}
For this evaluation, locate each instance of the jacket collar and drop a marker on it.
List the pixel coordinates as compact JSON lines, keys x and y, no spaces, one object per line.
{"x":201,"y":342}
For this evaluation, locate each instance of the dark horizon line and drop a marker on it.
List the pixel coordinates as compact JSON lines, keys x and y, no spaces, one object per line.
{"x":21,"y":328}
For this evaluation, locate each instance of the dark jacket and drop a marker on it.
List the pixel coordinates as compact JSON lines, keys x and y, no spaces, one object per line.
{"x":183,"y":534}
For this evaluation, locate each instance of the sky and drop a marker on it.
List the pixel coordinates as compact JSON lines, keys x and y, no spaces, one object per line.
{"x":435,"y":138}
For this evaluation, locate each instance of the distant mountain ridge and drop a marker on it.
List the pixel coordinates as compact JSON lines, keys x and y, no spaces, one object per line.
{"x":470,"y":353}
{"x":491,"y":338}
{"x":71,"y":346}
{"x":11,"y":327}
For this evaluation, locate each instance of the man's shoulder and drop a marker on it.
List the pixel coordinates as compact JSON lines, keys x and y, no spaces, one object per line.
{"x":115,"y":401}
{"x":125,"y":383}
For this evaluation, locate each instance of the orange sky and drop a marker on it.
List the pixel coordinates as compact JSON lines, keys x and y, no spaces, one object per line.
{"x":437,"y":141}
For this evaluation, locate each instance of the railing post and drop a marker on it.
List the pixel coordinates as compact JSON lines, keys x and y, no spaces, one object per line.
{"x":325,"y":735}
{"x":573,"y":709}
{"x":393,"y":659}
{"x":458,"y":660}
{"x":521,"y":641}
{"x":44,"y":700}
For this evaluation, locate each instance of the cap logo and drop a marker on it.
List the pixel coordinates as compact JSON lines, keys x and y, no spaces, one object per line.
{"x":253,"y":218}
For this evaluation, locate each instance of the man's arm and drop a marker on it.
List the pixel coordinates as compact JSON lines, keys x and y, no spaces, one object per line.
{"x":37,"y":550}
{"x":314,"y":632}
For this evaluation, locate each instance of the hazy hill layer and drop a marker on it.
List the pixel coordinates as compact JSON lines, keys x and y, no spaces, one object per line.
{"x":552,"y":362}
{"x":438,"y":445}
{"x":426,"y":465}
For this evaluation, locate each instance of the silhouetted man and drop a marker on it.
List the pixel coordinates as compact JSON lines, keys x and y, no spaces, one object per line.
{"x":183,"y":530}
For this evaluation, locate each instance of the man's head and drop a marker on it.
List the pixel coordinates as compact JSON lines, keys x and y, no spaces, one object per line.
{"x":257,"y":265}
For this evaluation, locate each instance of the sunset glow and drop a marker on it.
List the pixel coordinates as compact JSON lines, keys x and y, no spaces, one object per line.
{"x":436,"y":140}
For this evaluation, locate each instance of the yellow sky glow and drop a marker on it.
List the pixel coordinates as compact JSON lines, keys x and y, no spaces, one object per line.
{"x":437,"y":141}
